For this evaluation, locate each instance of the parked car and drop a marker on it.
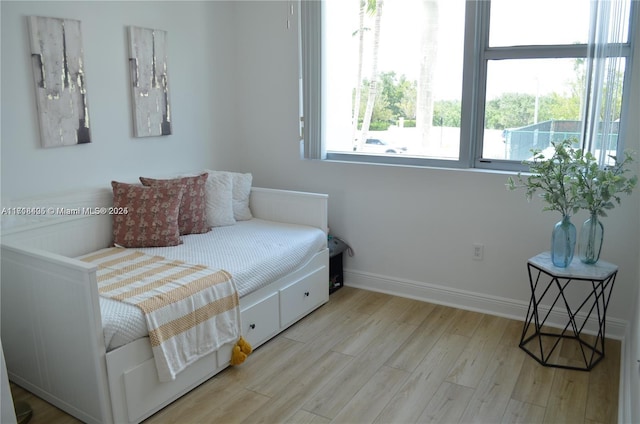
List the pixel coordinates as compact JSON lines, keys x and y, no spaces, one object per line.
{"x":376,"y":145}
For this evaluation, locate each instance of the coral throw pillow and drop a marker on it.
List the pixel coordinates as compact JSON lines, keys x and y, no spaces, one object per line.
{"x":152,"y":215}
{"x":193,"y":207}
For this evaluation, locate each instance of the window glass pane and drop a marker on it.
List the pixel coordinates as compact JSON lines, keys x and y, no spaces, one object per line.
{"x":608,"y":107}
{"x":531,"y":102}
{"x":543,"y":22}
{"x":411,"y":33}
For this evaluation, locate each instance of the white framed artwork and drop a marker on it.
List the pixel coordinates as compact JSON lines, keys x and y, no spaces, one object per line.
{"x":149,"y":82}
{"x":57,"y":60}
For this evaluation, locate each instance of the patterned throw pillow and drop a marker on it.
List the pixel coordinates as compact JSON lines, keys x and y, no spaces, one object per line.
{"x":152,"y":215}
{"x":193,"y":211}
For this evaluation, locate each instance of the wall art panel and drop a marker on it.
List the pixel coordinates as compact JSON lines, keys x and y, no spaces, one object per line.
{"x":60,"y":84}
{"x":149,"y":82}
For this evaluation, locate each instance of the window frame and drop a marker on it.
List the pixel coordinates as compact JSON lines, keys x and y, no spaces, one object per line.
{"x":477,"y":54}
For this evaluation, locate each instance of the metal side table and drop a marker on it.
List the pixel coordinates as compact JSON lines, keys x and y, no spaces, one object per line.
{"x":583,"y":291}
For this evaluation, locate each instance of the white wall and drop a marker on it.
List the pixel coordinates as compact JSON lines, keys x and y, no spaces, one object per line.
{"x":631,"y":369}
{"x":412,"y":229}
{"x":200,"y":59}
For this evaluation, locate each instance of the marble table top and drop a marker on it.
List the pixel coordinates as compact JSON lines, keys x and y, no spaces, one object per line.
{"x":576,"y":269}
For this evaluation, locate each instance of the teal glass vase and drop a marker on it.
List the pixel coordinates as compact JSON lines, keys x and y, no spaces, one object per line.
{"x":591,"y":236}
{"x":563,"y":242}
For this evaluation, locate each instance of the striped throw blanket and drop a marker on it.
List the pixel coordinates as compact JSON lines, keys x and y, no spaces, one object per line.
{"x":190,"y":310}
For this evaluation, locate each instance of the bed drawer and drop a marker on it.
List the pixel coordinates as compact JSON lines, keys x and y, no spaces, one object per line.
{"x":259,"y":324}
{"x":144,"y":393}
{"x":303,"y":296}
{"x":260,"y":321}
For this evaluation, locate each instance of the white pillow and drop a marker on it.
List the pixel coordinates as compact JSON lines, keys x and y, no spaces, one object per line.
{"x":219,"y":199}
{"x":240,"y":193}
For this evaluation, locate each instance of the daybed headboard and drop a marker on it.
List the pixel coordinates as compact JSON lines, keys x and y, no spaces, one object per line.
{"x":64,"y":223}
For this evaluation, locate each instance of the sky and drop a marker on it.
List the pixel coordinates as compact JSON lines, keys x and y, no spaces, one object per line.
{"x":513,"y":22}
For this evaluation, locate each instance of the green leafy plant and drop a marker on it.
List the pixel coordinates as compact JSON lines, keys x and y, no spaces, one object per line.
{"x":552,"y":178}
{"x":571,"y":179}
{"x":599,"y":187}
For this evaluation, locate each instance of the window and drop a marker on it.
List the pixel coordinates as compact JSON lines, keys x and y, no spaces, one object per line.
{"x":453,"y":83}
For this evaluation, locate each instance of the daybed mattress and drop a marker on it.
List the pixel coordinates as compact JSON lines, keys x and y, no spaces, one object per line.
{"x":255,"y":252}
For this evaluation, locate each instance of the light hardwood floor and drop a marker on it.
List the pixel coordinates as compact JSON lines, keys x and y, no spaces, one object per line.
{"x":367,"y":357}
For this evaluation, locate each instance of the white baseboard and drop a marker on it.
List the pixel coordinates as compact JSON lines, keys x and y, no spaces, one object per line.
{"x":464,"y":299}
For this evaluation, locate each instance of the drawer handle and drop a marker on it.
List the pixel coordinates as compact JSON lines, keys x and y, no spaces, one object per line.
{"x":306,"y":294}
{"x":253,"y":326}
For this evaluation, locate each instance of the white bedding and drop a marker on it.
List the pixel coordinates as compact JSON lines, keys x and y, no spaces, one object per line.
{"x":255,"y":252}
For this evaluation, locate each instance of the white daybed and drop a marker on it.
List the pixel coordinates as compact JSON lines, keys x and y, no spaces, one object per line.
{"x":52,"y":327}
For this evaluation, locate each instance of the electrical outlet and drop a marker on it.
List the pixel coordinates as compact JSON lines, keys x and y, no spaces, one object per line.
{"x":478,"y":251}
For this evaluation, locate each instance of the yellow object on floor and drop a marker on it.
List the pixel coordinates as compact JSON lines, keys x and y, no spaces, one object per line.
{"x":241,"y":350}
